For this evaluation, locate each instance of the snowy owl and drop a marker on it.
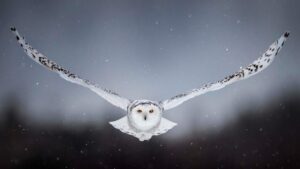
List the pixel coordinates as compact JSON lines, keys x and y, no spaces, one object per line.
{"x":144,"y":117}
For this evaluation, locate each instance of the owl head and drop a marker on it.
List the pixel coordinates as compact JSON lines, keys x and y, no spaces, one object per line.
{"x":144,"y":115}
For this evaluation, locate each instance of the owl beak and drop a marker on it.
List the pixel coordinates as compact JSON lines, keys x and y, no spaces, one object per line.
{"x":145,"y":117}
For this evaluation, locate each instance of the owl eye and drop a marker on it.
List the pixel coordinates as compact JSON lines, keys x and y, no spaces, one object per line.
{"x":139,"y":111}
{"x":151,"y":111}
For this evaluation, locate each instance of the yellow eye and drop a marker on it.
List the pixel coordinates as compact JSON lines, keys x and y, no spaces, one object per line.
{"x":151,"y":111}
{"x":139,"y":111}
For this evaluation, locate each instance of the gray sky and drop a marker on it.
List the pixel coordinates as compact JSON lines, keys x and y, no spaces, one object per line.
{"x":146,"y":49}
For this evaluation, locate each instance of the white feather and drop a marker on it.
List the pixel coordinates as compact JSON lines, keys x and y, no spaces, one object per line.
{"x":164,"y":126}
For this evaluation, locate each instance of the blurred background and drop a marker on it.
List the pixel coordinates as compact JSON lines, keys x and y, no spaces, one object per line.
{"x":152,"y":50}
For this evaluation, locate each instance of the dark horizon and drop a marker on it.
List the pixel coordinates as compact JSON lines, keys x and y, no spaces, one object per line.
{"x":267,"y":140}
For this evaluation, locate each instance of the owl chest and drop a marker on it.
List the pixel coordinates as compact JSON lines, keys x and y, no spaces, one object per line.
{"x":139,"y":124}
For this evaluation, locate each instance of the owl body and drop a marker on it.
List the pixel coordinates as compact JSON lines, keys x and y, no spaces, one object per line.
{"x":143,"y":120}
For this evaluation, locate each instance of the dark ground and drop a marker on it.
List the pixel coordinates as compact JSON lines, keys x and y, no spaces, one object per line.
{"x":268,"y":139}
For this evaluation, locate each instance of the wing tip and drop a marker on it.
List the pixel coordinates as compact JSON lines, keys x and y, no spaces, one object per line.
{"x":13,"y":29}
{"x":286,"y":34}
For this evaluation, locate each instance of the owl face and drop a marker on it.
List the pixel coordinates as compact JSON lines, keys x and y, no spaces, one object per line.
{"x":144,"y":115}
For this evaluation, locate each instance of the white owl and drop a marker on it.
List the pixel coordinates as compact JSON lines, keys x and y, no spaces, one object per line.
{"x":144,"y":117}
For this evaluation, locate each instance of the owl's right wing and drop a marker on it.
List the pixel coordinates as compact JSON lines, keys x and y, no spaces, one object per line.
{"x":257,"y":66}
{"x":41,"y":59}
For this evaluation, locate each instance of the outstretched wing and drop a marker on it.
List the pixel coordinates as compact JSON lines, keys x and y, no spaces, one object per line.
{"x":38,"y":57}
{"x":257,"y":66}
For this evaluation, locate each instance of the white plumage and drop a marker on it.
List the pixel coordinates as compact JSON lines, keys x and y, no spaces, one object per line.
{"x":144,"y":117}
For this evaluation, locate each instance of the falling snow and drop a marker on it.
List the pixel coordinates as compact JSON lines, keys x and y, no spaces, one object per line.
{"x":60,"y":125}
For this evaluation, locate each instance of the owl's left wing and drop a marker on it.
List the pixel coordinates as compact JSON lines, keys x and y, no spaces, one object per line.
{"x":41,"y":59}
{"x":257,"y":66}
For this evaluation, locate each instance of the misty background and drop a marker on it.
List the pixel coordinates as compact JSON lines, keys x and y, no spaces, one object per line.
{"x":146,"y":50}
